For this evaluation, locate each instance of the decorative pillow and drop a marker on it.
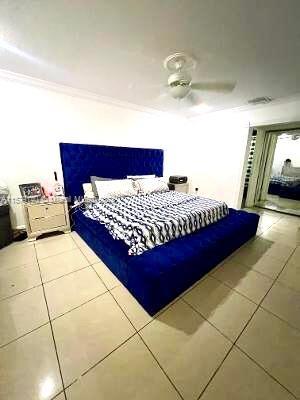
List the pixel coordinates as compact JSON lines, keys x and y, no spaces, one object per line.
{"x":88,"y":191}
{"x":97,"y":178}
{"x":115,"y":188}
{"x":152,"y":185}
{"x":135,"y":177}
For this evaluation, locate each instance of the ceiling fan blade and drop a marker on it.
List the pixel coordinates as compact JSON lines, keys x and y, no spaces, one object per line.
{"x":221,"y":87}
{"x":163,"y":94}
{"x":137,"y":86}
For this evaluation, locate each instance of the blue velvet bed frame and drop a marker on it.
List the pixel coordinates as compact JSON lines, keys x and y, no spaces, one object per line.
{"x":158,"y":276}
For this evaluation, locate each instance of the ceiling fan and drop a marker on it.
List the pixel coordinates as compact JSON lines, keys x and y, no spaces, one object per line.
{"x":180,"y":83}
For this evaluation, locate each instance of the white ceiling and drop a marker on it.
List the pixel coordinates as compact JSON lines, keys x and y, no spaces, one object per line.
{"x":115,"y":48}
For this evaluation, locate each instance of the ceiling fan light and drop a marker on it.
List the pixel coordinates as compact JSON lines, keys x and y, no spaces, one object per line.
{"x":179,"y":91}
{"x":201,"y":108}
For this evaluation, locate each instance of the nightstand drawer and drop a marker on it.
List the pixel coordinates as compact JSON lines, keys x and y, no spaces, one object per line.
{"x":43,"y":224}
{"x":45,"y":210}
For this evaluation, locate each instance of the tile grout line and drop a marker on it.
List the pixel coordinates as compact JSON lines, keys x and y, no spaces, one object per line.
{"x":286,"y":286}
{"x":236,"y":291}
{"x":35,"y":287}
{"x":227,"y":338}
{"x":51,"y":320}
{"x":72,"y":272}
{"x":293,"y":247}
{"x":80,"y":305}
{"x":281,"y":319}
{"x":37,"y":259}
{"x":139,"y":335}
{"x":51,"y":328}
{"x":265,"y":230}
{"x":58,"y":254}
{"x":181,"y":298}
{"x":57,"y":395}
{"x":265,"y":276}
{"x":103,"y":358}
{"x":266,"y":372}
{"x":55,"y":318}
{"x":278,"y":211}
{"x":67,"y":274}
{"x":226,"y":355}
{"x":90,"y":263}
{"x":26,"y":265}
{"x":107,"y":355}
{"x":70,"y":384}
{"x":246,"y":325}
{"x":269,"y":228}
{"x":265,"y":309}
{"x":42,"y":282}
{"x":257,"y":307}
{"x":142,"y":339}
{"x":160,"y":366}
{"x":23,"y":291}
{"x":207,"y":320}
{"x":283,"y":269}
{"x":154,"y":317}
{"x":233,"y":344}
{"x":137,"y":331}
{"x":23,"y":335}
{"x":107,"y":291}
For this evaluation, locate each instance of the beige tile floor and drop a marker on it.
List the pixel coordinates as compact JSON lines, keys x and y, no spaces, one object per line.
{"x":70,"y":330}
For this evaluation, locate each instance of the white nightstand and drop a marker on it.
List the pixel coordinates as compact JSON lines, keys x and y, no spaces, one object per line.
{"x":181,"y":187}
{"x":46,"y":216}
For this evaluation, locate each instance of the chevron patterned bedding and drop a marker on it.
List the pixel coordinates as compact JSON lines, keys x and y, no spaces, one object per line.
{"x":146,"y":221}
{"x":285,"y":180}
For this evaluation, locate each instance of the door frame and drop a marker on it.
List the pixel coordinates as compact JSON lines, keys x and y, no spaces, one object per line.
{"x":262,"y":127}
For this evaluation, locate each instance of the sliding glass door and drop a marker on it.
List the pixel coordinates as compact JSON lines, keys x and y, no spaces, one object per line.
{"x":273,"y":172}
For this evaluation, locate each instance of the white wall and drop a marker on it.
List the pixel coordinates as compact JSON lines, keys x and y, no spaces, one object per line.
{"x":286,"y":148}
{"x":218,"y":147}
{"x":288,"y":111}
{"x":216,"y":157}
{"x":210,"y":149}
{"x":33,"y":122}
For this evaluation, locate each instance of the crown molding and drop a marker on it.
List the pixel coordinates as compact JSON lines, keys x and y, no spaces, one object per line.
{"x":79,"y":93}
{"x":85,"y":94}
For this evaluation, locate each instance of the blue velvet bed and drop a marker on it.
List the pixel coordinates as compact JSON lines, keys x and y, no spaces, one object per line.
{"x":158,"y":276}
{"x":280,"y":187}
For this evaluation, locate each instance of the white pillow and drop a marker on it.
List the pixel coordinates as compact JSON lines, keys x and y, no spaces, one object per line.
{"x":88,"y":191}
{"x":115,"y":188}
{"x":135,"y":177}
{"x":152,"y":185}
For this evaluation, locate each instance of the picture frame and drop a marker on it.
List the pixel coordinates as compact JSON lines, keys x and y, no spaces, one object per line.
{"x":31,"y":191}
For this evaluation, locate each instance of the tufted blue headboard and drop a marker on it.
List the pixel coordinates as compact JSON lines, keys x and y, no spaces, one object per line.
{"x":80,"y":161}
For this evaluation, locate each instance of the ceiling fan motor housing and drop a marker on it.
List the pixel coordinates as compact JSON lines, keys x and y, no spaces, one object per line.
{"x":180,"y":84}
